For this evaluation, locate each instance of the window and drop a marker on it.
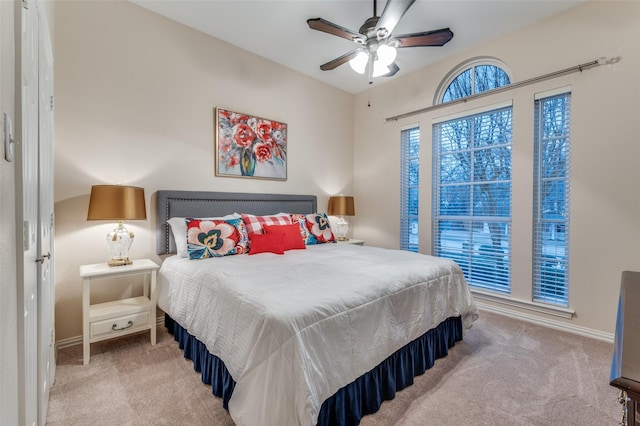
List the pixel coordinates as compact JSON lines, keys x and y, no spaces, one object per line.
{"x":551,"y":200}
{"x":472,"y":196}
{"x":410,"y":155}
{"x":471,"y":207}
{"x":472,"y":187}
{"x":473,"y":77}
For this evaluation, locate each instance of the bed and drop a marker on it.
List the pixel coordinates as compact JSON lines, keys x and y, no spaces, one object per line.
{"x":315,"y":336}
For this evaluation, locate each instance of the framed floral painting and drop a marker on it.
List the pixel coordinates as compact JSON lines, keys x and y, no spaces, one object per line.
{"x":248,"y":146}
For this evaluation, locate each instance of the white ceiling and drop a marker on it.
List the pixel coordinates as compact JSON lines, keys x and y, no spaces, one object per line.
{"x":277,"y":29}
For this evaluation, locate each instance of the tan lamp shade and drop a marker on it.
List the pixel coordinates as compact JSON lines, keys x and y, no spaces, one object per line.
{"x":116,"y":202}
{"x":341,"y":206}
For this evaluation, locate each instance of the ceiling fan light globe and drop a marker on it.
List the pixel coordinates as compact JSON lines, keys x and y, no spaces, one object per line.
{"x":380,"y":69}
{"x":386,"y":54}
{"x":359,"y":62}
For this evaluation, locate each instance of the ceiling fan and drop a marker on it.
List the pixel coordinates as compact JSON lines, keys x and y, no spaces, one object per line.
{"x":376,"y":51}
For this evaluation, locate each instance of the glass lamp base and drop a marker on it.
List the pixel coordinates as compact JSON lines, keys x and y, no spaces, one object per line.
{"x":341,"y":229}
{"x":119,"y":242}
{"x":120,"y":262}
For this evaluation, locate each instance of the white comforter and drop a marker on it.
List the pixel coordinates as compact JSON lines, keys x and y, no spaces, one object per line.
{"x":295,"y":328}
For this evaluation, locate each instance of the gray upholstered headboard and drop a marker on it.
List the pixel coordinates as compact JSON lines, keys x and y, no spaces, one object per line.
{"x":212,"y":204}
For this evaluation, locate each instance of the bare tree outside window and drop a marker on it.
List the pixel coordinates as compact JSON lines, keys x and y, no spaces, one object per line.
{"x":409,"y":219}
{"x":551,"y":200}
{"x":472,"y":184}
{"x":472,"y":171}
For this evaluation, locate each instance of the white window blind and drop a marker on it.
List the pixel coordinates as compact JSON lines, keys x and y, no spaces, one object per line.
{"x":472,"y":196}
{"x":551,"y":200}
{"x":409,"y":187}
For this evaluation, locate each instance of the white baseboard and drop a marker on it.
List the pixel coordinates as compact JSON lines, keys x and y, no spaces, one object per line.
{"x":546,"y":322}
{"x":77,"y":340}
{"x":534,"y":319}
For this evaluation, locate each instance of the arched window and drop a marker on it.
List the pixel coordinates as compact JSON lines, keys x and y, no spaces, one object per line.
{"x":471,"y":206}
{"x":471,"y":77}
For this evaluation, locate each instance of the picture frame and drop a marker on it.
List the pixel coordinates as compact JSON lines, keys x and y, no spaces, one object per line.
{"x":249,"y":146}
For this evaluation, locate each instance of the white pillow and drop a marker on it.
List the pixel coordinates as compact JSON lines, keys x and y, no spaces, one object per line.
{"x":179,"y":230}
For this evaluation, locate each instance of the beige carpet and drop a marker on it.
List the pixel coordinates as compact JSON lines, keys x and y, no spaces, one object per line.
{"x":505,"y":372}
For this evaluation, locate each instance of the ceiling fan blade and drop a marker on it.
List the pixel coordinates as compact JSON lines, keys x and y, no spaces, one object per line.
{"x":427,"y":38}
{"x":393,"y":69}
{"x":334,"y":29}
{"x":392,"y":13}
{"x":340,"y":60}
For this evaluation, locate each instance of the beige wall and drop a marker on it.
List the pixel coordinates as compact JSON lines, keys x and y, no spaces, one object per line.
{"x":605,"y":171}
{"x":135,"y":94}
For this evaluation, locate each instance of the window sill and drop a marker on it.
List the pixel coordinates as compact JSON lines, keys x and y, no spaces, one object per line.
{"x":522,"y":304}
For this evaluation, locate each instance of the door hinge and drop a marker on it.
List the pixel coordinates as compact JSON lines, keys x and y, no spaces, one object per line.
{"x":51,"y":103}
{"x":25,"y":4}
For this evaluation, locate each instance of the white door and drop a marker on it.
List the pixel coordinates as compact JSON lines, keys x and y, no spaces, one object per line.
{"x":27,"y":218}
{"x":8,"y":250}
{"x":46,"y":299}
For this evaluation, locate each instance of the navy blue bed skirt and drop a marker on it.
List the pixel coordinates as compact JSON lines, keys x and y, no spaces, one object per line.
{"x":362,"y":396}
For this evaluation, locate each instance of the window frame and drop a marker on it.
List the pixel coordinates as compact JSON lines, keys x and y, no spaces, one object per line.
{"x":540,"y":266}
{"x":461,"y":68}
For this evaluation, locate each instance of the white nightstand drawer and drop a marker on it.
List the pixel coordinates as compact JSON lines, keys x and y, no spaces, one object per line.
{"x":116,"y":325}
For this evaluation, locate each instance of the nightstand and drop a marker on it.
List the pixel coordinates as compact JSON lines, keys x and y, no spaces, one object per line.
{"x":352,"y":241}
{"x":117,"y":318}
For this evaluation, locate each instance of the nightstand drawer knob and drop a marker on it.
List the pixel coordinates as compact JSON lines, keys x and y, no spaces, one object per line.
{"x":114,"y":326}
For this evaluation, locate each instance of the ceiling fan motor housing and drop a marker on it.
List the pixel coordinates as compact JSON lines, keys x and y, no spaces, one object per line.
{"x":369,"y":26}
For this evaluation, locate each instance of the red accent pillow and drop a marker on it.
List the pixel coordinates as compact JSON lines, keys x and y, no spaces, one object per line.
{"x":292,"y":236}
{"x":265,"y":243}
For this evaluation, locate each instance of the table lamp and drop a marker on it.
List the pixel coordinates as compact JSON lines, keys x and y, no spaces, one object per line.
{"x":341,"y":206}
{"x":116,"y":202}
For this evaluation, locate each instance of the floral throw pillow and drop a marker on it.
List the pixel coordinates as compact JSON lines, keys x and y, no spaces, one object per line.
{"x":316,"y":227}
{"x":215,"y":238}
{"x":301,"y":220}
{"x":179,"y":231}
